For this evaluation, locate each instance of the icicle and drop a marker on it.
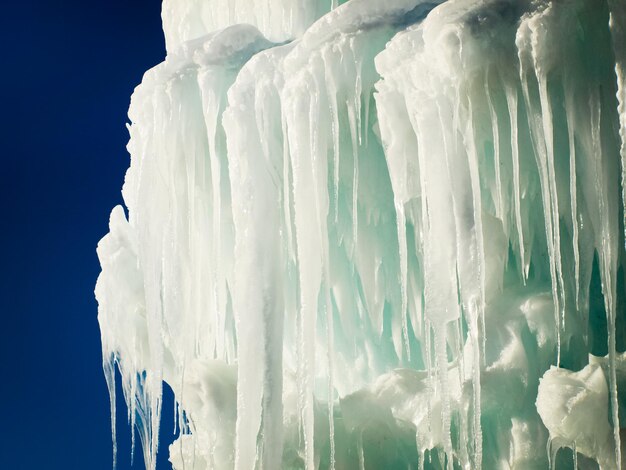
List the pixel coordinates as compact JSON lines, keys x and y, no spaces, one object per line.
{"x":543,"y":150}
{"x":360,"y":452}
{"x":511,"y":99}
{"x":355,"y":171}
{"x":552,"y":451}
{"x":477,"y":306}
{"x":109,"y":375}
{"x":330,"y":332}
{"x":132,"y":410}
{"x":496,"y":148}
{"x":607,"y":262}
{"x":331,"y":89}
{"x":476,"y":388}
{"x":331,"y":354}
{"x":287,"y":191}
{"x":548,"y":138}
{"x":442,"y":373}
{"x":308,"y":180}
{"x":358,"y":89}
{"x":617,"y":26}
{"x":367,"y":95}
{"x":571,"y":125}
{"x":211,"y":116}
{"x":402,"y":244}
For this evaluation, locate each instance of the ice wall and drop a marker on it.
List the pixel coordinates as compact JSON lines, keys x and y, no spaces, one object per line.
{"x":375,"y":235}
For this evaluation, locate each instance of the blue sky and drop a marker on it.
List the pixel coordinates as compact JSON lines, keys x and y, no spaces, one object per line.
{"x":68,"y":68}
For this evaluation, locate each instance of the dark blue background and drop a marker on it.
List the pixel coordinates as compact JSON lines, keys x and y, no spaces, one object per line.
{"x":68,"y":68}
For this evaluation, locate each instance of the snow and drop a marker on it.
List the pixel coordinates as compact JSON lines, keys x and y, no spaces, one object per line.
{"x":373,"y":234}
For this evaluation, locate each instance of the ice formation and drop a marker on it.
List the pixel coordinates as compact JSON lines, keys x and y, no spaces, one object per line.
{"x":375,"y":234}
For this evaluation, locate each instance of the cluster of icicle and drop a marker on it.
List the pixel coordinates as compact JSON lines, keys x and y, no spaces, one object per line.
{"x":381,"y":234}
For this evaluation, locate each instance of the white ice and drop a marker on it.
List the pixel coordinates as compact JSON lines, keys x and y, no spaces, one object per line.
{"x":375,"y":234}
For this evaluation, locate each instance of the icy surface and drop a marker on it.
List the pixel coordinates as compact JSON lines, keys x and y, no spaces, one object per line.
{"x":375,"y":234}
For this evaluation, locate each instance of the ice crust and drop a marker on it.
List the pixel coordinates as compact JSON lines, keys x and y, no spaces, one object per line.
{"x":380,"y":234}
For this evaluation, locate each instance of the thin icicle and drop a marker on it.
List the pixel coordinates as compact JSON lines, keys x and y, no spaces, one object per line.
{"x":358,"y":89}
{"x":496,"y":148}
{"x":511,"y":99}
{"x":331,"y":390}
{"x":442,"y":373}
{"x":402,"y":243}
{"x":477,"y":306}
{"x":367,"y":94}
{"x":132,"y":413}
{"x":547,"y":192}
{"x":287,"y":180}
{"x":355,"y":171}
{"x":617,"y":26}
{"x":109,"y":375}
{"x":330,"y":334}
{"x":548,"y":138}
{"x":571,"y":125}
{"x":360,"y":451}
{"x":331,"y":88}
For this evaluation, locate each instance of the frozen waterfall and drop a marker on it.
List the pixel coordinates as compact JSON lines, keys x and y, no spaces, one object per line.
{"x":375,"y":234}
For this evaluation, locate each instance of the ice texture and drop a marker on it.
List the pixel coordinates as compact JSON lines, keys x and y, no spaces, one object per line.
{"x":375,"y":234}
